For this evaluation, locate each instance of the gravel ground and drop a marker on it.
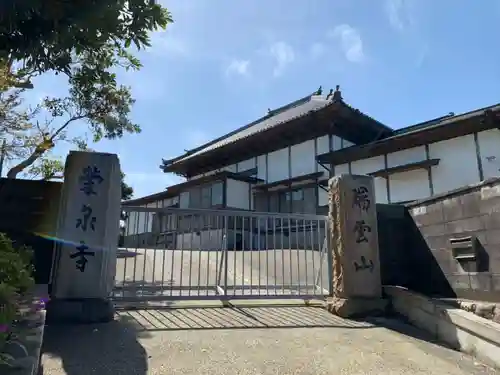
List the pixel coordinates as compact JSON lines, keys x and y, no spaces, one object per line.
{"x":259,"y":340}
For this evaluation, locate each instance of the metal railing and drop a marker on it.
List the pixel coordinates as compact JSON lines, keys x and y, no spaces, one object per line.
{"x":173,"y":254}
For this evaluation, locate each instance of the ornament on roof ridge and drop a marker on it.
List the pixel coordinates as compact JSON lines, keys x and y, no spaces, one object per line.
{"x":337,"y":95}
{"x":320,"y":91}
{"x":330,"y":94}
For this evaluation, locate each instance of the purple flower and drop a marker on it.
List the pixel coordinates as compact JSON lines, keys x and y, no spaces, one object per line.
{"x":39,"y":305}
{"x":4,"y":328}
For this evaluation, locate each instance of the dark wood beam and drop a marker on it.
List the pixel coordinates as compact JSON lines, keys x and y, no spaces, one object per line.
{"x":288,"y":182}
{"x":424,"y":164}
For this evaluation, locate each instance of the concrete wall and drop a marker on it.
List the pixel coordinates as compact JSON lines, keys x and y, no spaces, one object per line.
{"x":416,"y":251}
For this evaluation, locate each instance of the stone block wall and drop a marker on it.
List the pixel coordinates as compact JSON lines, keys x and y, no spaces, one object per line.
{"x":469,"y":212}
{"x":445,"y":246}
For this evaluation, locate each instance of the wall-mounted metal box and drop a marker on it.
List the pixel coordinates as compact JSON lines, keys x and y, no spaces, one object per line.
{"x":465,"y":250}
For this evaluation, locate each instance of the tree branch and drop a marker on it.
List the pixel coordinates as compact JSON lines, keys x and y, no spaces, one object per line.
{"x":40,"y":149}
{"x":65,"y":125}
{"x":15,"y":170}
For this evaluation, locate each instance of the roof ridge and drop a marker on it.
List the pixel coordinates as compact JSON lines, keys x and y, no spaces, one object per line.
{"x":424,"y":123}
{"x":290,"y":105}
{"x":438,"y":120}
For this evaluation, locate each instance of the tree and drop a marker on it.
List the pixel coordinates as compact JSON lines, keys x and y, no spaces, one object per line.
{"x":57,"y":35}
{"x":48,"y":169}
{"x":85,"y":41}
{"x":127,"y":190}
{"x":104,"y":108}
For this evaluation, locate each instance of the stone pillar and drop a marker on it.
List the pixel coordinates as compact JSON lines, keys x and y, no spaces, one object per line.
{"x":87,"y":233}
{"x":357,"y":287}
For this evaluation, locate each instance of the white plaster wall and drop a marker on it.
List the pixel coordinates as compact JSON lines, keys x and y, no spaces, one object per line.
{"x":322,"y":197}
{"x":184,"y":199}
{"x":336,"y":143}
{"x":323,"y":144}
{"x":489,"y":146}
{"x":458,"y":165}
{"x":238,"y":194}
{"x":302,"y":158}
{"x":322,"y":147}
{"x":277,"y":164}
{"x":142,"y":222}
{"x":370,"y":165}
{"x":246,"y":165}
{"x":341,"y":169}
{"x":129,"y":223}
{"x":411,"y":155}
{"x":230,"y":168}
{"x":302,"y":161}
{"x":138,"y":222}
{"x":252,"y":198}
{"x":409,"y":186}
{"x":346,"y":143}
{"x":261,"y":167}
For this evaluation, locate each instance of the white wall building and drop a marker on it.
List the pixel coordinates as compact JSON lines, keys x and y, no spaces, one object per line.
{"x":281,"y":162}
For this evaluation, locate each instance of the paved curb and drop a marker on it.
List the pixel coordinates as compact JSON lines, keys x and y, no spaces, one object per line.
{"x":459,"y":329}
{"x":25,"y":351}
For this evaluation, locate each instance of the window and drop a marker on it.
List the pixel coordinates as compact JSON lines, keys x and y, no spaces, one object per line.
{"x":206,"y":196}
{"x":298,"y":195}
{"x":274,"y":203}
{"x":285,"y":200}
{"x":195,"y":198}
{"x":217,"y":193}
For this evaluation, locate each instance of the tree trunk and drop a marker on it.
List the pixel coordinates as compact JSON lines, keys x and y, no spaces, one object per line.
{"x":15,"y":170}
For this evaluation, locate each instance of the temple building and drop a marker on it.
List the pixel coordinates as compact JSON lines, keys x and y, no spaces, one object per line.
{"x":282,"y":161}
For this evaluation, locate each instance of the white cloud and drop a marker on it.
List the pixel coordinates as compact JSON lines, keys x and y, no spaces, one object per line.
{"x":239,"y":67}
{"x":169,"y":43}
{"x":405,"y":17}
{"x":283,"y":54}
{"x":317,"y":50}
{"x":350,"y":42}
{"x":400,"y":13}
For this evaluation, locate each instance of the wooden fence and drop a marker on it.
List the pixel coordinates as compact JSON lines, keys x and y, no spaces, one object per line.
{"x":28,"y":215}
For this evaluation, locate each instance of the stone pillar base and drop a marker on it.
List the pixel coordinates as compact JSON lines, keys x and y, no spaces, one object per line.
{"x":357,"y":307}
{"x":80,"y":311}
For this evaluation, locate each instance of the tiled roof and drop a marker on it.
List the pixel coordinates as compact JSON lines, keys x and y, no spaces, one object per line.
{"x":440,"y":121}
{"x":297,"y":109}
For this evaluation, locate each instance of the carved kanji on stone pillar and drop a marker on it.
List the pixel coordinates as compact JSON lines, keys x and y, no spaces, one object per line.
{"x":356,"y":280}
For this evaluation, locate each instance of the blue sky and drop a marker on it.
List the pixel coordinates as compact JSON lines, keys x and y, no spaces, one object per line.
{"x":223,"y":63}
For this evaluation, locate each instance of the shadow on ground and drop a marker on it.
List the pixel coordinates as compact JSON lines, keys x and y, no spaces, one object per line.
{"x":115,"y":348}
{"x":124,"y":253}
{"x":139,"y":292}
{"x":164,"y":319}
{"x":109,"y":348}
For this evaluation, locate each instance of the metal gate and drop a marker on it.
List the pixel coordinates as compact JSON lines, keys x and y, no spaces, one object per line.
{"x":178,"y":254}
